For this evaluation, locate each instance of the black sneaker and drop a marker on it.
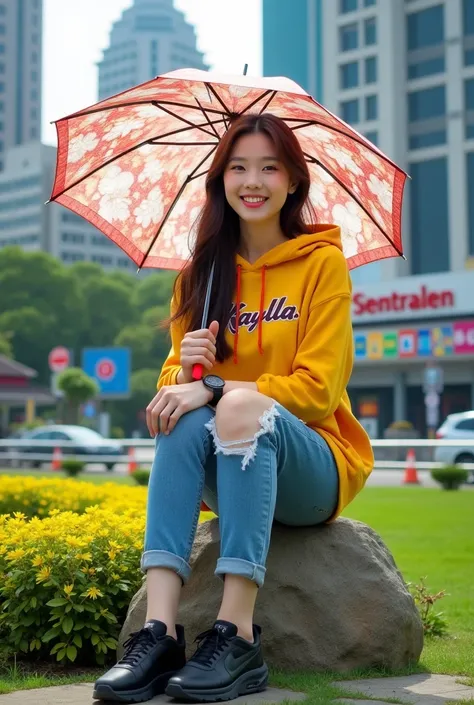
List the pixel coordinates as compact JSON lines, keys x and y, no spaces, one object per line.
{"x":150,"y":659}
{"x":223,"y":667}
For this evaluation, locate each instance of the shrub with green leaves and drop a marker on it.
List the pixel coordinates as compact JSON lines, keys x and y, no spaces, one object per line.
{"x":72,"y":467}
{"x":66,"y":582}
{"x":141,"y":476}
{"x":450,"y":477}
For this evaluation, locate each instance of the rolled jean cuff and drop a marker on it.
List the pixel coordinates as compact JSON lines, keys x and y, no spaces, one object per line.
{"x":238,"y":566}
{"x":165,"y":559}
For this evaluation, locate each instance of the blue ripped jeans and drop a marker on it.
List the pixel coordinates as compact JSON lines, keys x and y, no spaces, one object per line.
{"x":285,"y":473}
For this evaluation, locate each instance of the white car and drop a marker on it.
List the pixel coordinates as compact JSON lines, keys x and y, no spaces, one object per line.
{"x":457,"y":427}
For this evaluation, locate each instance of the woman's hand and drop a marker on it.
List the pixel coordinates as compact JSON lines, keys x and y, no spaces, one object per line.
{"x":167,"y":407}
{"x":198,"y":347}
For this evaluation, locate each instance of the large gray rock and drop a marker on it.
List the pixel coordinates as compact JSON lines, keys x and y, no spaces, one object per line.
{"x":333,"y":599}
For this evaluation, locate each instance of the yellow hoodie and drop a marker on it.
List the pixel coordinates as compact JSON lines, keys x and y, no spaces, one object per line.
{"x":300,"y":352}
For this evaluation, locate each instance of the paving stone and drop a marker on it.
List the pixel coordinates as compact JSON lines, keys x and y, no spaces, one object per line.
{"x":419,"y":688}
{"x":82,"y":695}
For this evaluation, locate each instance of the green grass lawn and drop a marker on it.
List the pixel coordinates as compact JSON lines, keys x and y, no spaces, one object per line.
{"x":430,"y":533}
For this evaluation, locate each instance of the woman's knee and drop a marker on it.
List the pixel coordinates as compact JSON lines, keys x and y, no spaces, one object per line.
{"x":239,"y":411}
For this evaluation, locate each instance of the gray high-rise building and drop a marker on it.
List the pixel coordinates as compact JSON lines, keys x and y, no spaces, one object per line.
{"x":150,"y":38}
{"x":20,"y":72}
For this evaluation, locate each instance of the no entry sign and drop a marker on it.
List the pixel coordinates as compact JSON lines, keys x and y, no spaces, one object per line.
{"x":59,"y":359}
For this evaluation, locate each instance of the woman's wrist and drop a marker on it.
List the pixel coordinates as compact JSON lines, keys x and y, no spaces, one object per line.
{"x":181,"y":379}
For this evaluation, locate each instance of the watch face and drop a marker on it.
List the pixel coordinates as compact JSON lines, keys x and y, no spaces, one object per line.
{"x":215,"y":381}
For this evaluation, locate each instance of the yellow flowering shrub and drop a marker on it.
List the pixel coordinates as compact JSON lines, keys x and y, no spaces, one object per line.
{"x":37,"y":496}
{"x":67,"y":579}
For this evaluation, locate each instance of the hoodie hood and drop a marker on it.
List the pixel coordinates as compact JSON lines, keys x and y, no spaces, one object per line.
{"x":322,"y":235}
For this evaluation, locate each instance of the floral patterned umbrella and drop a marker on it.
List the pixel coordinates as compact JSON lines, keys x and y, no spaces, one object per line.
{"x":134,"y":165}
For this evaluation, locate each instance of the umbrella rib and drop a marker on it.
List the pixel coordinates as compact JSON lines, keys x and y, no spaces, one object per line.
{"x":354,"y":138}
{"x":268,"y":102}
{"x":207,"y":117}
{"x":210,"y":87}
{"x":118,"y":156}
{"x":188,"y":179}
{"x":183,"y":119}
{"x":257,"y":100}
{"x":131,"y":104}
{"x":182,"y":144}
{"x":313,"y":160}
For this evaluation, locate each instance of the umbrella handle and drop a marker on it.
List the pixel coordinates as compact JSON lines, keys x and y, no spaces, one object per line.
{"x":197,"y":372}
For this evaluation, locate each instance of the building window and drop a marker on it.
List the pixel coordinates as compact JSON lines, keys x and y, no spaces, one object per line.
{"x":370,"y":31}
{"x":470,"y":200}
{"x":348,"y":37}
{"x":349,"y":75}
{"x":350,"y":111}
{"x":2,"y":48}
{"x":469,"y":107}
{"x":371,"y":69}
{"x":369,"y":3}
{"x":373,"y":137}
{"x":34,"y":133}
{"x":2,"y":87}
{"x":347,"y":6}
{"x":371,"y":107}
{"x":429,"y":225}
{"x":425,"y":39}
{"x":468,"y":17}
{"x":427,"y":117}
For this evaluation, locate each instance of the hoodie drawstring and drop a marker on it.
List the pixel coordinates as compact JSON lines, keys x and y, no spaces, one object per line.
{"x":260,"y":311}
{"x":237,"y":312}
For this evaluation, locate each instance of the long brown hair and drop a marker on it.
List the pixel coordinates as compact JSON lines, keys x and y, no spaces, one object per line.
{"x":218,"y":229}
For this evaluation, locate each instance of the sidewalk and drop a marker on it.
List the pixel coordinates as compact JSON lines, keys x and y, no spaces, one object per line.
{"x":419,"y":689}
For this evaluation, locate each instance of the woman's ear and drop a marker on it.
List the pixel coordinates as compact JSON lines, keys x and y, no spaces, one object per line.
{"x":292,"y":188}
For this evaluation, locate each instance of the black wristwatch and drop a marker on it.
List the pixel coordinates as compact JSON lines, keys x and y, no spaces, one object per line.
{"x":216,"y":385}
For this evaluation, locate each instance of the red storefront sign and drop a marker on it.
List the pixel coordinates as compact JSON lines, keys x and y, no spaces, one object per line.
{"x":395,"y":302}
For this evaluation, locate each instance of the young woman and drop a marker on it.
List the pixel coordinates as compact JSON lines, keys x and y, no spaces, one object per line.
{"x":268,"y":434}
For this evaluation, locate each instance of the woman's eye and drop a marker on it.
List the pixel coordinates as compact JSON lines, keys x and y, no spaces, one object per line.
{"x":272,"y":168}
{"x":237,"y":167}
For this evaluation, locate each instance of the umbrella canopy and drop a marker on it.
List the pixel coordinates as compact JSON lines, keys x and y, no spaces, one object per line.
{"x":134,"y":165}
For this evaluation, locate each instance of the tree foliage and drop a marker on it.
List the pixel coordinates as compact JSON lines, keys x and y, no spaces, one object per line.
{"x":44,"y":304}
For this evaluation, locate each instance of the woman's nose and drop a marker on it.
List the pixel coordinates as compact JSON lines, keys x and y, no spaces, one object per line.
{"x":253,"y":180}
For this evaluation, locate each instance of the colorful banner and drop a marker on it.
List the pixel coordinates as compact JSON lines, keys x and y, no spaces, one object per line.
{"x":415,"y":343}
{"x":464,"y":337}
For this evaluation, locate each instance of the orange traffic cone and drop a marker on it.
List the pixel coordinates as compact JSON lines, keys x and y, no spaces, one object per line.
{"x":57,"y":459}
{"x":410,"y":476}
{"x":132,"y":463}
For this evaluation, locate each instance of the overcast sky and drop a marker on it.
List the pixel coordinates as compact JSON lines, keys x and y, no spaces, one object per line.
{"x":75,"y":33}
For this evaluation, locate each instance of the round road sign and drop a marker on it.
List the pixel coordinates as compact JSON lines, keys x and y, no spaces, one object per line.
{"x":59,"y":359}
{"x":105,"y":369}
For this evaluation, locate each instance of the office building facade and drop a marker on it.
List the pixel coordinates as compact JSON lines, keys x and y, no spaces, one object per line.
{"x":401,"y":72}
{"x":25,"y":220}
{"x":150,"y":38}
{"x":20,"y":73}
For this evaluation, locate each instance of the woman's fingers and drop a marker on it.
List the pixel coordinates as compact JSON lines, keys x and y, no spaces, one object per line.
{"x":164,"y":417}
{"x":200,"y":344}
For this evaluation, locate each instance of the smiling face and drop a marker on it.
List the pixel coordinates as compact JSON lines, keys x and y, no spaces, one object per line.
{"x":256,"y":182}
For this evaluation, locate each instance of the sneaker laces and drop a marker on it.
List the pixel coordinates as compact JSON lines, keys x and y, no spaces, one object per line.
{"x":211,"y":643}
{"x":137,"y":645}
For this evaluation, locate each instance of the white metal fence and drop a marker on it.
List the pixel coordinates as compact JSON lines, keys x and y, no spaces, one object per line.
{"x":13,"y":453}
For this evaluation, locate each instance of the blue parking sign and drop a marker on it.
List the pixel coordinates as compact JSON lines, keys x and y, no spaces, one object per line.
{"x":110,"y":367}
